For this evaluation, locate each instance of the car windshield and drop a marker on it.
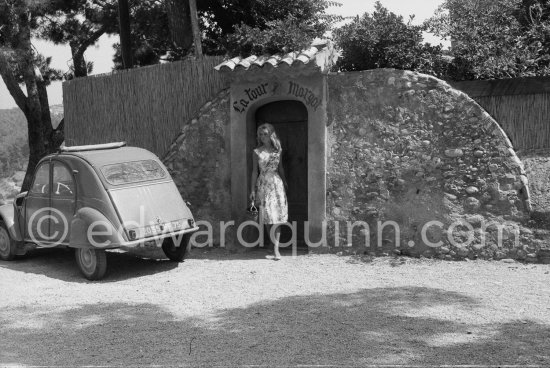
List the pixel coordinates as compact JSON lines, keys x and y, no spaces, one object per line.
{"x":132,"y":172}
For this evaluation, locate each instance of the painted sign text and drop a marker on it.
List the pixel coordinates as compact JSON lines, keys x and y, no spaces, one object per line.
{"x":251,"y":95}
{"x":305,"y":93}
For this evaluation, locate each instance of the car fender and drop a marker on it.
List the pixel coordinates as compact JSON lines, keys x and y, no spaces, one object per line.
{"x":90,"y":228}
{"x":7,"y":214}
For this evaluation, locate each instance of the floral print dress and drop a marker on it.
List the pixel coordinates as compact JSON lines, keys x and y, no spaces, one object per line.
{"x":270,"y":191}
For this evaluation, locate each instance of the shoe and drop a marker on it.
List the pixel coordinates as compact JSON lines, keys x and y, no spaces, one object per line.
{"x":277,"y":258}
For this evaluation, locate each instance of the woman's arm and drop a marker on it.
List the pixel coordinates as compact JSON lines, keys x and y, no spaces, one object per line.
{"x":282,"y":173}
{"x":254,"y":176}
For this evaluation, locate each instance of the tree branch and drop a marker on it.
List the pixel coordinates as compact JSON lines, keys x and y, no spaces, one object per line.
{"x":11,"y":82}
{"x":90,"y":40}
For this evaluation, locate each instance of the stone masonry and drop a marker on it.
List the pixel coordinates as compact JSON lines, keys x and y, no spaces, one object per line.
{"x":408,"y":148}
{"x":198,"y":160}
{"x":403,"y":149}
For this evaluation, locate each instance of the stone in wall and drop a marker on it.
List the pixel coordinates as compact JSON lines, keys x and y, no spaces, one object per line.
{"x":407,"y":149}
{"x":199,"y":162}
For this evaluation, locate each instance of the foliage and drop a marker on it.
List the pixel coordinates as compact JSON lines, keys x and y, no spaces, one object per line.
{"x":383,"y":40}
{"x":21,"y":65}
{"x":278,"y":36}
{"x":14,"y":147}
{"x":228,"y":27}
{"x":150,"y":33}
{"x":495,"y":38}
{"x":78,"y":23}
{"x":274,"y":26}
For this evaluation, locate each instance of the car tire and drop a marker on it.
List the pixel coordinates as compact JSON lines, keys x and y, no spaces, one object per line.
{"x":8,"y":246}
{"x":176,"y":254}
{"x":92,"y":262}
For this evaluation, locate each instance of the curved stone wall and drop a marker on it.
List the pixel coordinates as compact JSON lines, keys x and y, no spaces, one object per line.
{"x":407,"y":148}
{"x":199,"y":162}
{"x":415,"y":166}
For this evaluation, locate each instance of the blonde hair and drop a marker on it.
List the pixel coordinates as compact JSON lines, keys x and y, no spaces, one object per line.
{"x":272,"y":135}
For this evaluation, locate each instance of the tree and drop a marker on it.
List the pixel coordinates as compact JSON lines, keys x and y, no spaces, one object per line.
{"x":383,"y":40}
{"x":179,"y":23}
{"x":282,"y":35}
{"x":195,"y":27}
{"x":228,"y":27}
{"x":125,"y":34}
{"x":21,"y":65}
{"x":269,"y":26}
{"x":150,"y":32}
{"x":495,"y":38}
{"x":80,"y":24}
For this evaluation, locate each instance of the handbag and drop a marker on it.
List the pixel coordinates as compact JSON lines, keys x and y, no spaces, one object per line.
{"x":252,"y":211}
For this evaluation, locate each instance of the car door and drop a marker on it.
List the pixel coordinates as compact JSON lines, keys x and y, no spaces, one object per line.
{"x":63,"y":196}
{"x":37,"y":206}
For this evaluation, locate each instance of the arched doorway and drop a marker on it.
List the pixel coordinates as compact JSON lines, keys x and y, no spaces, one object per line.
{"x":290,"y":120}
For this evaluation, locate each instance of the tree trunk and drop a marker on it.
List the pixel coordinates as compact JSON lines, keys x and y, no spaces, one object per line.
{"x":196,"y":29}
{"x":125,"y":36}
{"x":79,"y":64}
{"x":35,"y":104}
{"x":37,"y":149}
{"x":46,"y":119}
{"x":33,"y":110}
{"x":179,"y":21}
{"x":39,"y":124}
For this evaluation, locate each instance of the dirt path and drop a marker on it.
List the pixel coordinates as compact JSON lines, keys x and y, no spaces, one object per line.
{"x":222,"y":309}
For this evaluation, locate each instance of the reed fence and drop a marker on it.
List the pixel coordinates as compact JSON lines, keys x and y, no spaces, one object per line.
{"x":145,"y":107}
{"x":520,"y":105}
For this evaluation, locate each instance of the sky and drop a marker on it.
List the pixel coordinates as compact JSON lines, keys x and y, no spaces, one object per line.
{"x":102,"y":54}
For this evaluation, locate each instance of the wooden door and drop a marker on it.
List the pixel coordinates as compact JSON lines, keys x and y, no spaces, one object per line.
{"x":293,"y":136}
{"x":289,"y":118}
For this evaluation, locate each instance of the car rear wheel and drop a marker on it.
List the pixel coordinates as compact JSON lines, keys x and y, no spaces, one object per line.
{"x":176,"y":254}
{"x":92,"y":262}
{"x":8,"y":246}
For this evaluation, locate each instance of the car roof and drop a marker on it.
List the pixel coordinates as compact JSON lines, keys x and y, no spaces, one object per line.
{"x":101,"y":157}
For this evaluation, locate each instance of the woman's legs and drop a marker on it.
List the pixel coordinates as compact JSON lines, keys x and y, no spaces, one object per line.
{"x":276,"y":236}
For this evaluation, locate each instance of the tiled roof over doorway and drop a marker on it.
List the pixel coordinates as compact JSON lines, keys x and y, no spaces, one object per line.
{"x":319,"y":57}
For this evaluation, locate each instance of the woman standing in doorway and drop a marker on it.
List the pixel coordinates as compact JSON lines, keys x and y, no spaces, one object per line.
{"x":268,"y":186}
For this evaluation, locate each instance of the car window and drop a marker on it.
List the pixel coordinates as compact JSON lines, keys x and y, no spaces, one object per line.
{"x":41,"y":179}
{"x":63,"y":184}
{"x":132,"y":172}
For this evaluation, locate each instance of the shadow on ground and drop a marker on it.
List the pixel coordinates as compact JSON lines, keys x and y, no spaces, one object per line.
{"x":242,"y":253}
{"x":376,"y":326}
{"x":58,"y":263}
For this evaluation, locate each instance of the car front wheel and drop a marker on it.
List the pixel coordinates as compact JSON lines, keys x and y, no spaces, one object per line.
{"x":92,"y":262}
{"x":176,"y":254}
{"x":8,"y":246}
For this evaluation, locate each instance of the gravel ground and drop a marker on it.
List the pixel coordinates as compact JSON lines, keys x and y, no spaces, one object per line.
{"x":222,"y":309}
